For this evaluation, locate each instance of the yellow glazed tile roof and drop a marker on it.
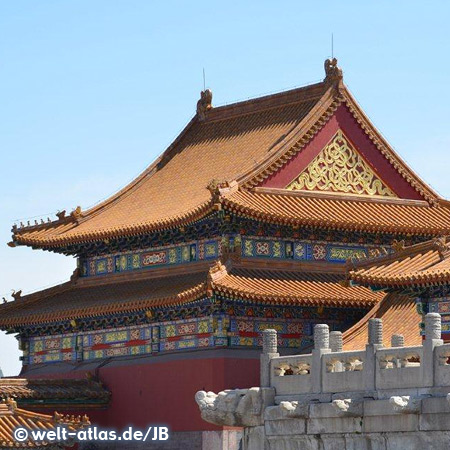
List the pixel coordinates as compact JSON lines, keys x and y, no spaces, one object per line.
{"x":418,"y":265}
{"x":399,"y":317}
{"x":12,"y":417}
{"x":337,"y":211}
{"x":174,"y":189}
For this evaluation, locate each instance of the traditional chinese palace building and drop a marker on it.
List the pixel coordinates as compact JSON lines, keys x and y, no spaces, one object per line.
{"x":415,"y":277}
{"x":244,"y":223}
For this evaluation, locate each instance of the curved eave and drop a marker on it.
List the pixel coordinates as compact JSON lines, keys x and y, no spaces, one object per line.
{"x":402,"y":281}
{"x":46,"y":240}
{"x":183,"y":298}
{"x":270,"y":209}
{"x":292,"y":300}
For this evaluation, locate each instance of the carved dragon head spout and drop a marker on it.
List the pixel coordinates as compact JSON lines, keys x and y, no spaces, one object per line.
{"x":238,"y":407}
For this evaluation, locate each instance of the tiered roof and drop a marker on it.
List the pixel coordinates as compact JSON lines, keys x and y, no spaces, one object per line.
{"x":244,"y":159}
{"x":83,"y":298}
{"x":224,"y":152}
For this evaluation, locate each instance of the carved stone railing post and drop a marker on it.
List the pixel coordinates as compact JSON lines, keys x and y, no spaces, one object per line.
{"x":376,"y":332}
{"x":433,"y":326}
{"x":321,"y":337}
{"x":432,"y":340}
{"x":397,"y":340}
{"x":336,"y":341}
{"x":270,"y":350}
{"x":375,"y":342}
{"x":321,"y":346}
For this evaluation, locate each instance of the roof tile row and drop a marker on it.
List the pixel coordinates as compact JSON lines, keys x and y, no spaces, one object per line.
{"x":418,"y":265}
{"x":341,"y":212}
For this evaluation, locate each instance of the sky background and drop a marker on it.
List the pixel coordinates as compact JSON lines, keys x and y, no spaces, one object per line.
{"x":92,"y":91}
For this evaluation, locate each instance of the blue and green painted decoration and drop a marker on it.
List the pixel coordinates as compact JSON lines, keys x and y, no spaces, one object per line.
{"x":251,"y":247}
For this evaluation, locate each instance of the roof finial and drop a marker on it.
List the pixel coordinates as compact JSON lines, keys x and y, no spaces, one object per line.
{"x":333,"y":73}
{"x":204,"y":104}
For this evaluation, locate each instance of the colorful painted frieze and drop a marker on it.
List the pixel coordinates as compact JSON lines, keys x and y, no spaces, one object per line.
{"x":191,"y":342}
{"x":237,"y":323}
{"x":251,"y":247}
{"x":291,"y":333}
{"x":146,"y":259}
{"x":52,"y":349}
{"x":439,"y":305}
{"x":255,"y":247}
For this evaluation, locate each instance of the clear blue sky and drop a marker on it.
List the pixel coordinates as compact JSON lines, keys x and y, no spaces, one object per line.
{"x":92,"y":91}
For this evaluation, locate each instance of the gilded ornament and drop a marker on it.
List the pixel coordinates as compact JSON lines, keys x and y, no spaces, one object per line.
{"x":172,"y":256}
{"x":340,"y":168}
{"x":136,"y":262}
{"x":248,"y":248}
{"x":277,"y":250}
{"x":342,"y":254}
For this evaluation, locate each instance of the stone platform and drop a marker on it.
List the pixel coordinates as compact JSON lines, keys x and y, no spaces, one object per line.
{"x":375,"y":398}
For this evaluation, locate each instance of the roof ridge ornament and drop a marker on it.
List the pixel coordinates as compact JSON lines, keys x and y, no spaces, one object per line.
{"x":204,"y":104}
{"x":16,"y":295}
{"x":76,"y":213}
{"x":216,"y":272}
{"x":61,"y":214}
{"x":398,"y":246}
{"x":333,"y":73}
{"x":440,"y":244}
{"x":12,"y":404}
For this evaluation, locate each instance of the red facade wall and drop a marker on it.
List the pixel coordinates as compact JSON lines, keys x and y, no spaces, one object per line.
{"x":163,"y":392}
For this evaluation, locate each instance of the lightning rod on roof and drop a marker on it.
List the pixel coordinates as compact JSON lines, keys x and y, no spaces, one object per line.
{"x":204,"y":80}
{"x":332,"y":46}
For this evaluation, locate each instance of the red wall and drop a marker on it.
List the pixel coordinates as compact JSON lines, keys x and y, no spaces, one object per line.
{"x":163,"y":392}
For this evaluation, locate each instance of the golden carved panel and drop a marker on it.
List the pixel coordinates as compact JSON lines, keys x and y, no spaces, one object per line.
{"x":340,"y":168}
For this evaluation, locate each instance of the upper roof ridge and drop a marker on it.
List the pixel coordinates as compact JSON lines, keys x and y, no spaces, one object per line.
{"x":333,"y":77}
{"x":330,"y":195}
{"x":265,"y":102}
